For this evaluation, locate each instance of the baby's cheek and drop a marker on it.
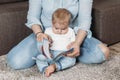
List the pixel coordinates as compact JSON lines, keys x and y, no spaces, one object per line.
{"x":54,"y":31}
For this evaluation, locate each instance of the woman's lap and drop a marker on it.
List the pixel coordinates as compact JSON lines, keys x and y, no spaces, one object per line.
{"x":20,"y":56}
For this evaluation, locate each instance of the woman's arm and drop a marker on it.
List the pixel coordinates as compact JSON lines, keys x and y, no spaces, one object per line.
{"x":33,"y":16}
{"x":33,"y":19}
{"x":76,"y":45}
{"x":83,"y":29}
{"x":84,"y":20}
{"x":80,"y":37}
{"x":84,"y":15}
{"x":36,"y":29}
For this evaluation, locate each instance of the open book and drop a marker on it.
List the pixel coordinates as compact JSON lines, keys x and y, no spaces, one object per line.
{"x":59,"y":55}
{"x":46,"y":51}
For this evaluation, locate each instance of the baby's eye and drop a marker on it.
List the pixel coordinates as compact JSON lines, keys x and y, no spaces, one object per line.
{"x":64,"y":29}
{"x":56,"y":28}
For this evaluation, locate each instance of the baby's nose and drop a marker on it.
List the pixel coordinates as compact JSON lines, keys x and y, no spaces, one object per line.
{"x":59,"y":31}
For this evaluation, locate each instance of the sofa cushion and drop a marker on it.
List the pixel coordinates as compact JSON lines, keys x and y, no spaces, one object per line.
{"x":12,"y":28}
{"x":106,"y":20}
{"x":6,"y":1}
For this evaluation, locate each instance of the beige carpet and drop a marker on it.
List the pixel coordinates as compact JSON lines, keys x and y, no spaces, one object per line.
{"x":109,"y":70}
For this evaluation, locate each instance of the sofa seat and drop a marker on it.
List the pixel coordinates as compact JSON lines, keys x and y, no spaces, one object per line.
{"x":106,"y":20}
{"x":12,"y":27}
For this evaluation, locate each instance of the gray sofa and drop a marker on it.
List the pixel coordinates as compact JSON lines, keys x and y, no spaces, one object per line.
{"x":106,"y":20}
{"x":12,"y":18}
{"x":105,"y":23}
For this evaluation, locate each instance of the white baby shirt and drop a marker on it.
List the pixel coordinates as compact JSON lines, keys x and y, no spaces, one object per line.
{"x":61,"y":41}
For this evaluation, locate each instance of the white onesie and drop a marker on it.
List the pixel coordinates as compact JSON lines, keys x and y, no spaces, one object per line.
{"x":61,"y":41}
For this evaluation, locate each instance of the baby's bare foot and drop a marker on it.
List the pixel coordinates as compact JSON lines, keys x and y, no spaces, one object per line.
{"x":49,"y":70}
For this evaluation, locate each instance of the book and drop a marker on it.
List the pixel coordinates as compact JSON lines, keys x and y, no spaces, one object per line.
{"x":46,"y":51}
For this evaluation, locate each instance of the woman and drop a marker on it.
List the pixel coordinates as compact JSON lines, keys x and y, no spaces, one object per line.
{"x":86,"y":48}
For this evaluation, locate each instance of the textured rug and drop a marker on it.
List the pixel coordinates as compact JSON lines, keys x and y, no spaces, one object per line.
{"x":109,"y":70}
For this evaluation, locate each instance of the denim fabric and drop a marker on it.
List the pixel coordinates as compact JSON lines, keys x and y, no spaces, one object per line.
{"x":61,"y":63}
{"x":40,"y":12}
{"x":20,"y":56}
{"x":90,"y":52}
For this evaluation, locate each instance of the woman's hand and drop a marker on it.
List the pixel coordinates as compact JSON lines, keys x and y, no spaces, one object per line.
{"x":41,"y":36}
{"x":81,"y":34}
{"x":76,"y":51}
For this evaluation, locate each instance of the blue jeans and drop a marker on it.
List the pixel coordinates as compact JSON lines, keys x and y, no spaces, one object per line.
{"x":20,"y":57}
{"x":61,"y":62}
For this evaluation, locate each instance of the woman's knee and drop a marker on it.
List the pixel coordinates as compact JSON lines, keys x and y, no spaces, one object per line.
{"x":96,"y":55}
{"x":13,"y":62}
{"x":19,"y":61}
{"x":105,"y":50}
{"x":16,"y":62}
{"x":21,"y":55}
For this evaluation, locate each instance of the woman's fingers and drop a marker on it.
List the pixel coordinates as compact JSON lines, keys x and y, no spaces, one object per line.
{"x":45,"y":36}
{"x":73,"y":54}
{"x":70,"y":45}
{"x":48,"y":38}
{"x":42,"y":36}
{"x":39,"y":38}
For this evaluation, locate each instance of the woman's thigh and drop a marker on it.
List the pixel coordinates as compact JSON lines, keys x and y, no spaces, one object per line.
{"x":20,"y":56}
{"x":90,"y":52}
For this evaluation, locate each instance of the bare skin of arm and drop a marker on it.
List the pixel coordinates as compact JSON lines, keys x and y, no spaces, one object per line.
{"x":76,"y":45}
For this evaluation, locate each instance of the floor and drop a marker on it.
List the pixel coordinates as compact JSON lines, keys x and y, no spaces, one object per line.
{"x":109,"y":70}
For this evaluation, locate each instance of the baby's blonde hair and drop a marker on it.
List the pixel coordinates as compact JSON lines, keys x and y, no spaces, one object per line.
{"x":61,"y":15}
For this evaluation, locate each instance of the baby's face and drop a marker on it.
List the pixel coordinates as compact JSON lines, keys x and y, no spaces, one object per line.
{"x":60,"y":27}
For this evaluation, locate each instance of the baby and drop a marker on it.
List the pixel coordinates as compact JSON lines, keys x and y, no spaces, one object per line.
{"x":62,"y":35}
